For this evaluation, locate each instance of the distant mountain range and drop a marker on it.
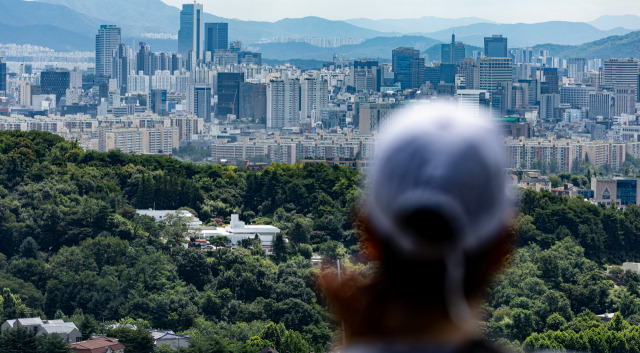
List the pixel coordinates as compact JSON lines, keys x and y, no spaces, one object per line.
{"x":610,"y":47}
{"x":525,"y":34}
{"x":66,"y":25}
{"x":608,"y":22}
{"x":415,"y":25}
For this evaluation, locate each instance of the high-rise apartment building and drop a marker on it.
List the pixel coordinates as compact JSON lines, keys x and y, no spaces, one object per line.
{"x":495,"y":46}
{"x":314,"y":96}
{"x":548,"y":105}
{"x":493,"y":70}
{"x":107,"y":40}
{"x":55,"y":81}
{"x":452,"y":53}
{"x":408,"y":67}
{"x":216,"y":36}
{"x":25,"y":94}
{"x":75,"y":78}
{"x":283,"y":102}
{"x":191,"y":33}
{"x":121,"y":66}
{"x":621,"y":72}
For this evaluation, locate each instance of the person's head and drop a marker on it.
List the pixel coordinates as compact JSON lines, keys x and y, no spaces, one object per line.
{"x":436,"y":216}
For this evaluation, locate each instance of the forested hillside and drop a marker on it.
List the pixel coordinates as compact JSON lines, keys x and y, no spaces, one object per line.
{"x":73,"y":247}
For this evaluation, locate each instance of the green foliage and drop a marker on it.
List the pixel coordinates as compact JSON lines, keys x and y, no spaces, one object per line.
{"x":139,"y":340}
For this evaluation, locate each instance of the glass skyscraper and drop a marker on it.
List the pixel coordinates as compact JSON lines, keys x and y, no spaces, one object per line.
{"x":191,"y":33}
{"x":216,"y":36}
{"x":55,"y":81}
{"x":107,"y":40}
{"x":495,"y":47}
{"x":3,"y":76}
{"x":408,"y":67}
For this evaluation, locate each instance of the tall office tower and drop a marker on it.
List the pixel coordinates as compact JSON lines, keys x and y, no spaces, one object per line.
{"x":548,"y":77}
{"x":254,"y":101}
{"x":601,"y":104}
{"x":314,"y":96}
{"x":175,"y":62}
{"x":500,"y":100}
{"x":576,"y":68}
{"x":432,"y":75}
{"x":142,"y":59}
{"x":199,"y":100}
{"x":228,"y":91}
{"x":448,"y":73}
{"x":548,"y":105}
{"x":408,"y":67}
{"x":468,"y":68}
{"x":452,"y":53}
{"x":121,"y":66}
{"x":3,"y":76}
{"x":75,"y":78}
{"x":494,"y":70}
{"x":191,"y":33}
{"x":576,"y":96}
{"x":625,"y":102}
{"x":366,"y":75}
{"x":495,"y":46}
{"x":55,"y":81}
{"x":158,"y":101}
{"x":621,"y":72}
{"x":107,"y":40}
{"x":283,"y":102}
{"x":216,"y":36}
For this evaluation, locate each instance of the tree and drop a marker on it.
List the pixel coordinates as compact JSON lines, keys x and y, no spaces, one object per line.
{"x":86,"y":324}
{"x":555,"y":322}
{"x":139,"y":341}
{"x":29,"y":249}
{"x":18,"y":340}
{"x":299,"y":233}
{"x":52,"y":343}
{"x":193,"y":267}
{"x":280,"y":247}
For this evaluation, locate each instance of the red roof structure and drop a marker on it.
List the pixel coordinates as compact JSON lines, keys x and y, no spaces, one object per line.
{"x":98,"y":345}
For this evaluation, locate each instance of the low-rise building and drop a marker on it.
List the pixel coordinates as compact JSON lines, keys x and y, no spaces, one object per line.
{"x":98,"y":345}
{"x":238,"y":230}
{"x":535,"y":181}
{"x":66,"y":330}
{"x":160,"y":215}
{"x":168,"y":337}
{"x":622,"y":191}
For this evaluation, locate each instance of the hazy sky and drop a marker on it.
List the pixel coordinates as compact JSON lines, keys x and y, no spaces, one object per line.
{"x":504,"y":11}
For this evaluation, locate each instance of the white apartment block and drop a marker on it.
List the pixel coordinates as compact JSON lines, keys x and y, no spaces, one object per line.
{"x":521,"y":153}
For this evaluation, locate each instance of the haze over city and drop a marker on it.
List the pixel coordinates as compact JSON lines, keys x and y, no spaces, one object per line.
{"x":502,"y":11}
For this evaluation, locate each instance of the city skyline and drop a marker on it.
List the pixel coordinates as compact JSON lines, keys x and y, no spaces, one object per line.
{"x":500,"y":11}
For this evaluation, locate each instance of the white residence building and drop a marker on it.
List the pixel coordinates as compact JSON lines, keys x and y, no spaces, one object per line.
{"x":238,"y":230}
